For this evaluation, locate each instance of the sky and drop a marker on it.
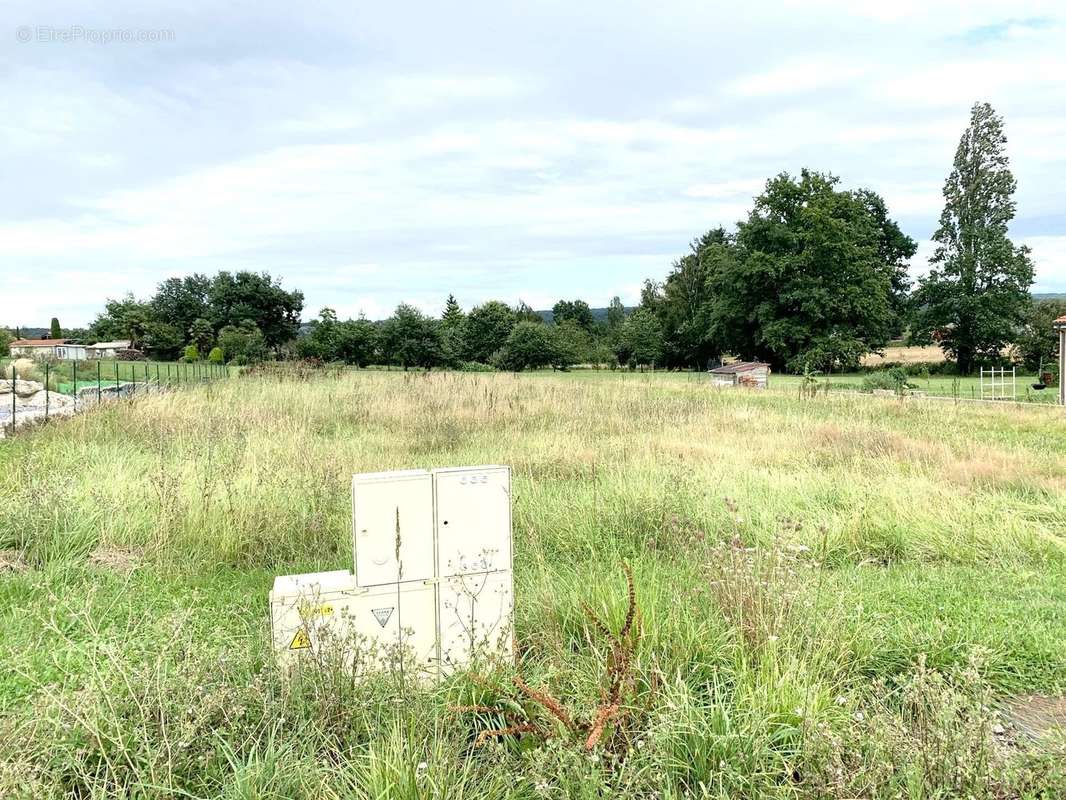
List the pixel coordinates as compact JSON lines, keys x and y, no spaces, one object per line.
{"x":378,"y":153}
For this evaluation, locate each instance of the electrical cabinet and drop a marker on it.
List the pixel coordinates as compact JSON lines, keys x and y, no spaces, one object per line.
{"x":392,"y":513}
{"x":325,"y":616}
{"x":474,"y":613}
{"x":473,"y":519}
{"x":432,"y":556}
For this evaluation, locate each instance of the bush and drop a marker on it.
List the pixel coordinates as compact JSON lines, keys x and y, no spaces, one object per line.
{"x":215,"y":356}
{"x":129,"y":354}
{"x":894,"y":379}
{"x":475,"y":366}
{"x":191,"y":354}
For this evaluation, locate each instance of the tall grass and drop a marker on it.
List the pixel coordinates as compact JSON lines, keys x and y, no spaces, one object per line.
{"x":789,"y":558}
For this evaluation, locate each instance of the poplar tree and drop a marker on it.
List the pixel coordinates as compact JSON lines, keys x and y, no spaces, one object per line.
{"x":976,"y":294}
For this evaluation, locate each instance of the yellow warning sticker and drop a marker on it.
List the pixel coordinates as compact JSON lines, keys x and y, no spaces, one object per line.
{"x":310,"y":610}
{"x":301,"y":641}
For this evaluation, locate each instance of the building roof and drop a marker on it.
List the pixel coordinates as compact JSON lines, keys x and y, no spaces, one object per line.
{"x":739,"y":366}
{"x":37,"y":342}
{"x":1060,"y":322}
{"x":122,"y":344}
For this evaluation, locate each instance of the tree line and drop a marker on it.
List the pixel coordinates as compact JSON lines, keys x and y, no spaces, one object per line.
{"x":814,"y":278}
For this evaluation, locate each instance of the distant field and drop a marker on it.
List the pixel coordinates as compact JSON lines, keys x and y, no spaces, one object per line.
{"x":906,"y":355}
{"x":835,"y":594}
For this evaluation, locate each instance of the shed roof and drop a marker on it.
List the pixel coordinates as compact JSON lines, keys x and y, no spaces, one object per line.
{"x":122,"y":344}
{"x":739,"y":366}
{"x":37,"y":342}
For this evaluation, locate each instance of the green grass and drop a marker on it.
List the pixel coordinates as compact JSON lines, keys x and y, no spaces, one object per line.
{"x":833,"y":592}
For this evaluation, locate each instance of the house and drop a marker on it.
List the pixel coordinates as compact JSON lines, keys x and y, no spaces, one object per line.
{"x":48,"y":348}
{"x":107,"y":349}
{"x":742,"y":373}
{"x":1060,"y":326}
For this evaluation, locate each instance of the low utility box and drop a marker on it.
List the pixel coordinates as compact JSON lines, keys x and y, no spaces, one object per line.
{"x":327,"y":618}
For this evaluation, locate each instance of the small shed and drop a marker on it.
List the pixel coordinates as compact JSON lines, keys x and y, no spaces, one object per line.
{"x":45,"y":348}
{"x":754,"y":374}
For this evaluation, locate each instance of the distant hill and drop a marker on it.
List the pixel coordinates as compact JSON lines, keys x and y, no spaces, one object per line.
{"x":1049,"y":296}
{"x":598,"y":314}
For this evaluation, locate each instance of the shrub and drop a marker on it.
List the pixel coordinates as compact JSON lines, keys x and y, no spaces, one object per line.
{"x":475,"y":366}
{"x":191,"y":353}
{"x":215,"y":356}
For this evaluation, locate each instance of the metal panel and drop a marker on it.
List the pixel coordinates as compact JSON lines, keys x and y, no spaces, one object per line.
{"x":473,"y":519}
{"x":391,"y":509}
{"x":332,"y":622}
{"x":476,"y":612}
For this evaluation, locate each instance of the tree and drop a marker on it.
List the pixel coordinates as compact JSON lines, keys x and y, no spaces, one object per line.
{"x":356,"y":341}
{"x":1038,"y":342}
{"x":571,"y":344}
{"x":684,"y":303}
{"x":616,"y":314}
{"x":235,"y":297}
{"x":410,"y":338}
{"x":523,"y":312}
{"x":576,"y":310}
{"x":641,"y":342}
{"x":529,"y":345}
{"x":895,"y":250}
{"x":127,"y":318}
{"x":5,"y":342}
{"x":161,"y":340}
{"x":452,"y":333}
{"x":487,"y":329}
{"x":202,"y":334}
{"x":976,"y":293}
{"x":243,"y":343}
{"x":180,"y":302}
{"x":55,"y":332}
{"x":805,"y":284}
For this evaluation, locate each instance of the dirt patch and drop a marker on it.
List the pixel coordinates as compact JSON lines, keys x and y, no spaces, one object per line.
{"x":12,"y":561}
{"x":117,"y":559}
{"x":1036,"y":715}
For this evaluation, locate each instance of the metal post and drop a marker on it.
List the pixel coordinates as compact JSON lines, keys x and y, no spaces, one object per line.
{"x":13,"y":396}
{"x":47,"y":394}
{"x":74,"y":368}
{"x":99,"y":388}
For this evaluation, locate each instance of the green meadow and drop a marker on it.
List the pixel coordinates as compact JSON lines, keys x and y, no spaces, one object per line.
{"x":834,"y":596}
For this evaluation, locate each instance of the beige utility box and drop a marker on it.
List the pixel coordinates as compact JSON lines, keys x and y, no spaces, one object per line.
{"x":473,"y":519}
{"x":432,"y":553}
{"x":392,"y":512}
{"x":325,"y":617}
{"x":475,"y":613}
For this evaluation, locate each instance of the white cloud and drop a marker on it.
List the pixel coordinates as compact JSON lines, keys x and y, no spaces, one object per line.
{"x":400,"y":154}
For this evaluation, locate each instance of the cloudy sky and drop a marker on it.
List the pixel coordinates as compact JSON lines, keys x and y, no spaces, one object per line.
{"x":373,"y":153}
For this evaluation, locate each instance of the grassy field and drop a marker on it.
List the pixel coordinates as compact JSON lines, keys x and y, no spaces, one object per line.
{"x":835,"y":594}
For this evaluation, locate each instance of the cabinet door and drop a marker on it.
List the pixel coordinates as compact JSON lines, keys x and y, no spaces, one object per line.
{"x":399,"y":623}
{"x":475,"y":613}
{"x":473,"y":520}
{"x":392,"y":511}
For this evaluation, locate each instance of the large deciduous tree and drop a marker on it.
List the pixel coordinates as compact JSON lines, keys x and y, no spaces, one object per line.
{"x":410,"y":338}
{"x":808,"y":283}
{"x":487,"y":328}
{"x":239,"y":296}
{"x":180,"y":302}
{"x":976,"y":294}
